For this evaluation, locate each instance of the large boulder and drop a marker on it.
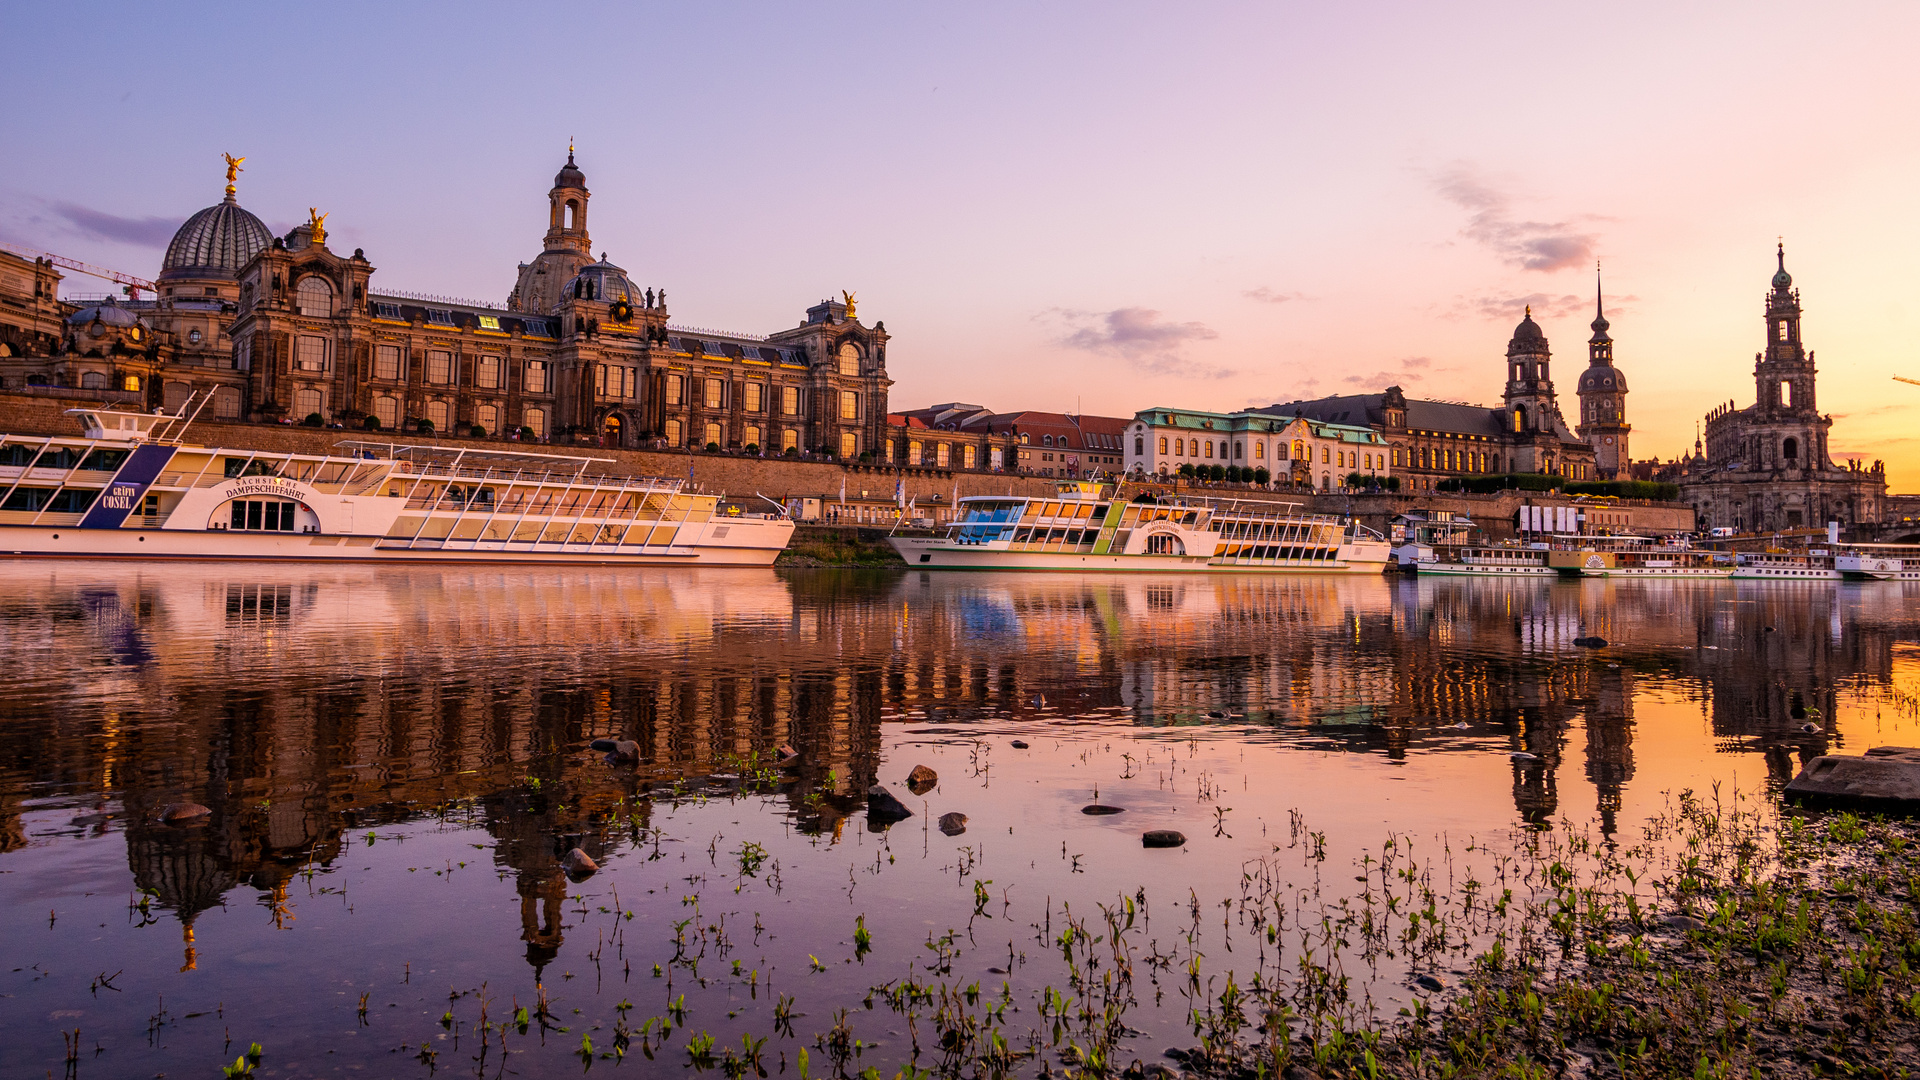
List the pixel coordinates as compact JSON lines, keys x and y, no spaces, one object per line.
{"x":1885,"y":780}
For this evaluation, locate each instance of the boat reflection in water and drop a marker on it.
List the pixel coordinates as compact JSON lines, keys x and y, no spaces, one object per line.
{"x":306,"y":706}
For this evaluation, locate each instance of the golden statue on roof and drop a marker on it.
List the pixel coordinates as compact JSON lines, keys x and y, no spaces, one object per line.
{"x":233,"y":170}
{"x":849,"y":299}
{"x":317,"y":222}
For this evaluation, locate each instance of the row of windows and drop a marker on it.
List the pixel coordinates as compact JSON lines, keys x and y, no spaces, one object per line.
{"x":717,"y":394}
{"x":713,"y":434}
{"x":1204,"y":448}
{"x":489,"y":372}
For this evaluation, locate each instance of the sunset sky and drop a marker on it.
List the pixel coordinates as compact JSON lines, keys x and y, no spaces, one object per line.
{"x":1106,"y":206}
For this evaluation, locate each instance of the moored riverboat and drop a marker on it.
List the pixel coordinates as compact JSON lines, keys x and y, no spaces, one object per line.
{"x":1494,"y":560}
{"x":129,"y":487}
{"x":1085,"y":526}
{"x":1635,"y":557}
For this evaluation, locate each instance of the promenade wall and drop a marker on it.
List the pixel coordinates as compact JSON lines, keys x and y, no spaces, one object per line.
{"x":44,"y":414}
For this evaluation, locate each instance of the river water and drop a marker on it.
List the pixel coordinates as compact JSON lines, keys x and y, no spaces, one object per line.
{"x":396,"y":759}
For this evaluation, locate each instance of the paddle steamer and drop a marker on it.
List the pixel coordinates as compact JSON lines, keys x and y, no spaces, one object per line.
{"x":130,"y":487}
{"x":1085,"y":526}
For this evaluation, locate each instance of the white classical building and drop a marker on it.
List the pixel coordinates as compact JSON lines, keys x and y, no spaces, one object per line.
{"x":1297,"y":452}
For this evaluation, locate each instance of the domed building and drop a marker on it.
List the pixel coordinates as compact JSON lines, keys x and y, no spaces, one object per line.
{"x":210,"y":249}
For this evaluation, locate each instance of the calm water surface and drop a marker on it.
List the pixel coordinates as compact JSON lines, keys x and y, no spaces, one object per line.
{"x":396,"y":759}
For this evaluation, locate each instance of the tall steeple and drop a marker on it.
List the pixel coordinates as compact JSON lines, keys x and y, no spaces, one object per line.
{"x":1603,"y":396}
{"x":1784,"y":372}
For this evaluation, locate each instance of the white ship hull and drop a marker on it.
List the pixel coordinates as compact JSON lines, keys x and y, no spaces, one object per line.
{"x":937,"y":553}
{"x":1470,"y":570}
{"x":73,"y":542}
{"x":123,"y":491}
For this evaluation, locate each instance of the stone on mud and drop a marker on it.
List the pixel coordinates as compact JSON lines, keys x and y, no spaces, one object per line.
{"x":578,"y":864}
{"x":921,"y":780}
{"x":883,"y":808}
{"x":1886,"y":779}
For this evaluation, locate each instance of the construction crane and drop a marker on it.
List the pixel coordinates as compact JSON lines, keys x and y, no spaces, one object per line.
{"x":1915,"y":382}
{"x":135,"y":286}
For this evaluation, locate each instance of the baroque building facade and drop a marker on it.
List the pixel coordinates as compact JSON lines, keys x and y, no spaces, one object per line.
{"x":1429,"y":441}
{"x":1765,"y":468}
{"x":285,"y":328}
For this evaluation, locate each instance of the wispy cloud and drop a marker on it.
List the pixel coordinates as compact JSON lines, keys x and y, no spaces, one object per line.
{"x":1531,"y":245}
{"x":1265,"y":295}
{"x":1142,"y":338}
{"x":141,"y":232}
{"x":1408,"y":371}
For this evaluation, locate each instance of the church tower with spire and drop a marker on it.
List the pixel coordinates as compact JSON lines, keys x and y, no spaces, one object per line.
{"x":1603,"y":400}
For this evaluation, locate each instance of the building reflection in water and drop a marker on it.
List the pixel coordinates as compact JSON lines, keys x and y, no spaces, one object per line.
{"x":306,"y":705}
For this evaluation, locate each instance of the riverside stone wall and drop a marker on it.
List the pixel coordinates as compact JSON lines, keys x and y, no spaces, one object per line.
{"x":24,"y":414}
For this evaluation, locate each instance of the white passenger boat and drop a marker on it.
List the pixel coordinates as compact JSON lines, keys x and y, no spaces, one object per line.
{"x":1084,"y":526}
{"x":129,"y":487}
{"x":1833,"y":562}
{"x":1494,"y":560}
{"x":1635,"y":557}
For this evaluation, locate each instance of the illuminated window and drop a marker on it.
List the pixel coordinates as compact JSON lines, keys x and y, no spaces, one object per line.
{"x":1163,"y":444}
{"x":755,"y":392}
{"x":671,"y":431}
{"x":789,"y":439}
{"x":714,"y":437}
{"x":713,"y":394}
{"x":671,"y":387}
{"x":1325,"y":455}
{"x":849,"y":405}
{"x":1259,"y":451}
{"x":790,"y":400}
{"x":913,"y":453}
{"x":849,"y":359}
{"x":751,"y":435}
{"x":849,"y":444}
{"x":968,"y":456}
{"x":942,"y":455}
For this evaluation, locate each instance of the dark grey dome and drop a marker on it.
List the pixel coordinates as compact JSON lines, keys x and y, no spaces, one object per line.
{"x":108,"y":314}
{"x":1782,"y":279}
{"x":216,"y":242}
{"x":1527,"y":337}
{"x":570,"y":175}
{"x":1602,"y":379}
{"x":609,"y":282}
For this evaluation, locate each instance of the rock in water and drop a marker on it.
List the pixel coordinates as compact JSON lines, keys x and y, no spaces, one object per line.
{"x":1102,"y":808}
{"x":883,"y":808}
{"x":1595,"y":642}
{"x":175,"y":813}
{"x":1019,"y":744}
{"x":921,"y":780}
{"x":605,"y":746}
{"x":1162,"y":838}
{"x":579,"y":865}
{"x":787,"y":755}
{"x":1521,"y":757}
{"x":953,"y":824}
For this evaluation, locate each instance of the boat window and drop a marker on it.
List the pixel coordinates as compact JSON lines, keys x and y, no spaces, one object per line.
{"x":262,"y":515}
{"x":104,"y":460}
{"x":244,"y":467}
{"x":52,"y":500}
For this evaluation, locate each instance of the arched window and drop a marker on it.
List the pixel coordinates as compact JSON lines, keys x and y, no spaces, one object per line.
{"x":439,"y":415}
{"x":1140,"y":445}
{"x":131,"y":384}
{"x":1783,"y":330}
{"x":93,"y":380}
{"x":488,"y":418}
{"x":1299,"y":450}
{"x":314,"y":297}
{"x":570,"y":215}
{"x":1163,"y":444}
{"x":1519,"y":418}
{"x":387,"y":411}
{"x":1790,"y":449}
{"x":713,"y":434}
{"x":849,"y":359}
{"x":306,"y":402}
{"x":226,"y":403}
{"x":1046,"y":440}
{"x":535,"y":420}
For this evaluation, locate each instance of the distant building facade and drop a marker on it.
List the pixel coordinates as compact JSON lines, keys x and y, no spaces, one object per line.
{"x":286,"y":328}
{"x":1765,"y":468}
{"x":957,"y":435}
{"x":1297,"y":452}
